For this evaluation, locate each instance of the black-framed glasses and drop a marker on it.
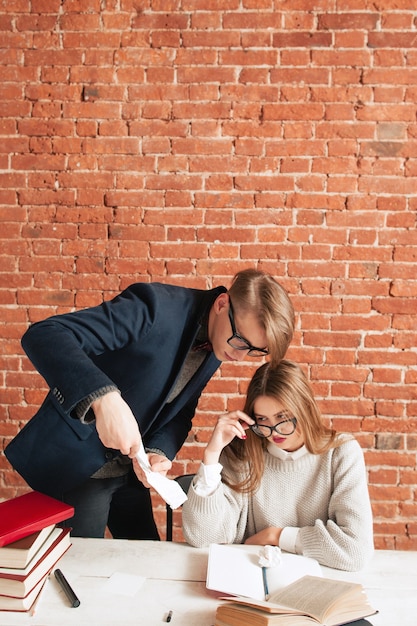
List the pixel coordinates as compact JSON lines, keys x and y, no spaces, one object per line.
{"x":238,"y":342}
{"x":285,"y":427}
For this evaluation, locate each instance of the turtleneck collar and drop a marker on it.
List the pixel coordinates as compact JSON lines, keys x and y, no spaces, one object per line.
{"x":284,"y":455}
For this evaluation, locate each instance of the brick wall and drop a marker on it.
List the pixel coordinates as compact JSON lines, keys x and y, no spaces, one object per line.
{"x":183,"y":140}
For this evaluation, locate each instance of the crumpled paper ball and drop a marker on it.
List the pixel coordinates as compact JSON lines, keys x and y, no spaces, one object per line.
{"x":269,"y":556}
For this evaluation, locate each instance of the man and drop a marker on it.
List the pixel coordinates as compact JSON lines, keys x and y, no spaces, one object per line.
{"x":131,"y":370}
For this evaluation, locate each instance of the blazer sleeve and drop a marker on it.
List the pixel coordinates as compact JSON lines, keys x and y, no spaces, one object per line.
{"x":170,"y":437}
{"x":62,"y":347}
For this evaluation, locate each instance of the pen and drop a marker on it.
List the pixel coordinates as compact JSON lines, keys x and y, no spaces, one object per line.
{"x":265,"y":581}
{"x":66,"y":587}
{"x":169,"y":616}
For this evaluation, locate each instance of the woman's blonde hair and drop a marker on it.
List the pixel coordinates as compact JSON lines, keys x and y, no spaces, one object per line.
{"x":256,"y":292}
{"x":287,"y":384}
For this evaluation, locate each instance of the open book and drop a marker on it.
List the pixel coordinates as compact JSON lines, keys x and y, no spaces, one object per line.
{"x":305,"y":602}
{"x":235,"y":569}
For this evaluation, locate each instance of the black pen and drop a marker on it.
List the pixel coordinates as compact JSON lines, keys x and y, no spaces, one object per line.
{"x":67,"y":588}
{"x":169,"y":616}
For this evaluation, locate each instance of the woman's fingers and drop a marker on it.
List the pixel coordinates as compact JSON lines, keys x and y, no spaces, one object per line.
{"x":235,"y":423}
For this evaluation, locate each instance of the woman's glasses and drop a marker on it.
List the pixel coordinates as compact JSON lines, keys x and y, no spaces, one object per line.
{"x":285,"y":427}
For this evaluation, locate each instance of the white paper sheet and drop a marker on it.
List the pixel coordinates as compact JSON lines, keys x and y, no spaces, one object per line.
{"x":124,"y":584}
{"x":168,"y":489}
{"x":235,"y":569}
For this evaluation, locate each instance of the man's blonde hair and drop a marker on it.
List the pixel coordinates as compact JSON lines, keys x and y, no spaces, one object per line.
{"x":256,"y":292}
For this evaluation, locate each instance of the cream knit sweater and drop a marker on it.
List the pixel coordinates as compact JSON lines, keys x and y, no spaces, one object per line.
{"x":325,"y":496}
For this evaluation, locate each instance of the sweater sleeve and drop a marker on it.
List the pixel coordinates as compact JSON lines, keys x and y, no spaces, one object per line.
{"x":345,"y":541}
{"x":220,"y":517}
{"x":207,"y":479}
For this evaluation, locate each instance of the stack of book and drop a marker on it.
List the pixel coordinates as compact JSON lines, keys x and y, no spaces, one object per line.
{"x":31,"y":543}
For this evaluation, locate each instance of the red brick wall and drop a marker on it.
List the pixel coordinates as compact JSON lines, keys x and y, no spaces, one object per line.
{"x":183,"y":140}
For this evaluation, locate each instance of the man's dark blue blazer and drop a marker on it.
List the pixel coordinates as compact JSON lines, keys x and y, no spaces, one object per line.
{"x":138,"y":341}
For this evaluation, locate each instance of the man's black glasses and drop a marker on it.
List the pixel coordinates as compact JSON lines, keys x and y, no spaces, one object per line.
{"x":240,"y":343}
{"x":286,"y":427}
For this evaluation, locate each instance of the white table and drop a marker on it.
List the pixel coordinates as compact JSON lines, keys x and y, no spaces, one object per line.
{"x":174,"y":577}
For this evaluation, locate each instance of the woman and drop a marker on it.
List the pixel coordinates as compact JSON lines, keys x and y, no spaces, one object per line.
{"x":285,"y":478}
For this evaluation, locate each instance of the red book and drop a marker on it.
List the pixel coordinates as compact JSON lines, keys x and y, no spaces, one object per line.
{"x":19,"y":553}
{"x":24,"y":515}
{"x":28,"y":603}
{"x":19,"y":584}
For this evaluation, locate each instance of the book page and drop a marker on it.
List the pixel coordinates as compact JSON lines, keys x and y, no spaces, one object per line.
{"x":236,"y":615}
{"x":235,"y":569}
{"x":315,"y":596}
{"x":325,"y":600}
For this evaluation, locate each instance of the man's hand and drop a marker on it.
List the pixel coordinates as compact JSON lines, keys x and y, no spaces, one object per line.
{"x":116,"y":425}
{"x":158,"y":462}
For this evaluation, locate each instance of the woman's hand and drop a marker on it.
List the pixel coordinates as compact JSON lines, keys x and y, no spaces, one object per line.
{"x":266,"y":537}
{"x":229,"y":426}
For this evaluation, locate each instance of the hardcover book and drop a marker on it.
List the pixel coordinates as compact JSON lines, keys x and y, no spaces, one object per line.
{"x":18,"y":583}
{"x":24,"y":515}
{"x":19,"y":553}
{"x":8,"y":603}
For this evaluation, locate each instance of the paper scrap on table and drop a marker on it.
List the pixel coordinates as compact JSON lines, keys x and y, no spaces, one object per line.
{"x":168,"y":489}
{"x":124,"y":584}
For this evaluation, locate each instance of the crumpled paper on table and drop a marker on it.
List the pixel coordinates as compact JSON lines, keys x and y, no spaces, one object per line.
{"x":269,"y":556}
